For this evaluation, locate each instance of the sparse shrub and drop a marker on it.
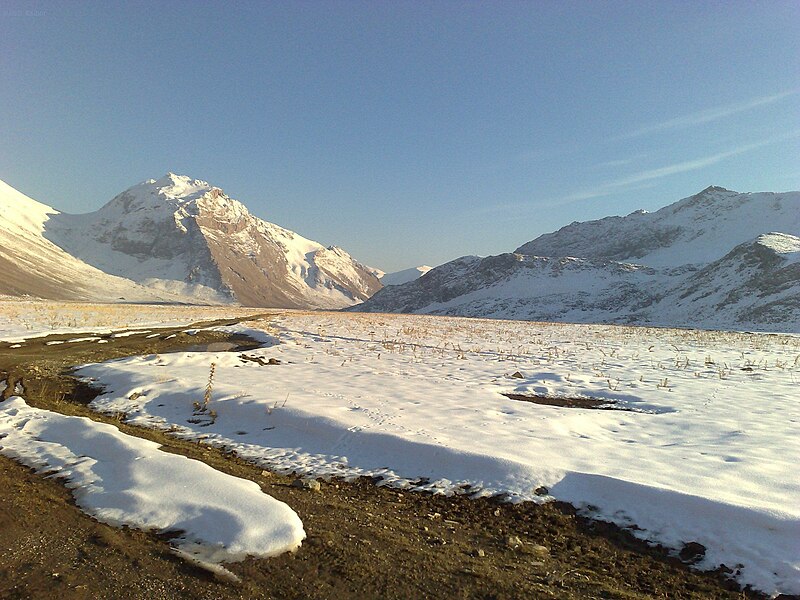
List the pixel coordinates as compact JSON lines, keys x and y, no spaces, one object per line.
{"x":209,"y":386}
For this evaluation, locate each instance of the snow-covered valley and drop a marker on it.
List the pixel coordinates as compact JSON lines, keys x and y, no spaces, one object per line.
{"x":695,"y":442}
{"x":686,"y":438}
{"x":716,"y":260}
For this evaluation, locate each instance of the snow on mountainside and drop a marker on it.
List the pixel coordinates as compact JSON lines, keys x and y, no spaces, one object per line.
{"x":184,"y":236}
{"x":404,"y":276}
{"x":713,"y":260}
{"x":756,"y":282}
{"x":695,"y":230}
{"x":502,"y":286}
{"x":33,"y":265}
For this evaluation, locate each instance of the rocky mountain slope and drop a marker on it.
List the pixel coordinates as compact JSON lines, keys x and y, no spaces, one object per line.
{"x":182,"y":238}
{"x":714,"y":259}
{"x":33,"y":265}
{"x":758,"y":283}
{"x":696,"y":230}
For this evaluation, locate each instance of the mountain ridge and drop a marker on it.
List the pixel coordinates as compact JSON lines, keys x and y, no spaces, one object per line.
{"x":34,"y":266}
{"x":667,"y":268}
{"x":182,"y":238}
{"x":697,"y":229}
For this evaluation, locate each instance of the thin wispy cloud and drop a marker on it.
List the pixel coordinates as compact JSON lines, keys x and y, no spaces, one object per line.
{"x":708,"y":115}
{"x":621,"y":162}
{"x":643,"y":179}
{"x":624,"y":183}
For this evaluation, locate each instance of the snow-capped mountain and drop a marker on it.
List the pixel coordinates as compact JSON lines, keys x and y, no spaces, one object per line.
{"x":713,"y":260}
{"x":696,"y":230}
{"x":179,"y":237}
{"x":33,"y":265}
{"x":404,"y":276}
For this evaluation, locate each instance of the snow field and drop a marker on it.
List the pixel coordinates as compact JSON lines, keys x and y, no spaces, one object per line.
{"x":703,"y":449}
{"x":25,"y":319}
{"x":124,"y":480}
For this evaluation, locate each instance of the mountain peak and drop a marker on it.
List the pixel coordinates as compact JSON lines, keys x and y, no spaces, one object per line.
{"x":188,"y":237}
{"x":185,"y":188}
{"x":715,"y":188}
{"x":174,"y":179}
{"x":172,"y":193}
{"x":404,"y":276}
{"x":173,"y":186}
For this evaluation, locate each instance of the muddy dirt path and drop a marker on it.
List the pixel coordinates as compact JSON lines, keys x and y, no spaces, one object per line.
{"x":364,"y":541}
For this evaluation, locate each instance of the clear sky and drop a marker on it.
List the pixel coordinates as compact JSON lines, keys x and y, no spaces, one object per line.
{"x":406,"y":132}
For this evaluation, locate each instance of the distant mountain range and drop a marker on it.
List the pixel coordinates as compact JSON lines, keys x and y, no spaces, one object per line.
{"x":174,"y":239}
{"x":718,"y":259}
{"x":404,"y":276}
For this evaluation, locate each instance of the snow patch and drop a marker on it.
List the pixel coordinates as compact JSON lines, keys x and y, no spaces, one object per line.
{"x":782,"y":243}
{"x":124,"y":480}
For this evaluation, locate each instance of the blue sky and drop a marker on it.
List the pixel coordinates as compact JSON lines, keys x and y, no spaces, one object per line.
{"x":405,"y":132}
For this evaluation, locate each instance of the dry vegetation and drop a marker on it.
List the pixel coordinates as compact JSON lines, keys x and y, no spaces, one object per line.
{"x":364,"y":541}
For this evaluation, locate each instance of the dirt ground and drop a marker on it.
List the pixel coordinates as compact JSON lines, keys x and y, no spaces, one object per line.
{"x":364,"y":540}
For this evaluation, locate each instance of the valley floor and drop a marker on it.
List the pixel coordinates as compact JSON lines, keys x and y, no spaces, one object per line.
{"x":415,"y":403}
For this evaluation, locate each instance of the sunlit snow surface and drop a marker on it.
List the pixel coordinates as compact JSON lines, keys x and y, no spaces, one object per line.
{"x":25,"y":319}
{"x":707,"y":450}
{"x":126,"y":480}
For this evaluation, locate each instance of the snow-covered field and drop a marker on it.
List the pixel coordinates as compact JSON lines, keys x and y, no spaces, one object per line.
{"x":700,"y":445}
{"x":24,"y":319}
{"x":698,"y":442}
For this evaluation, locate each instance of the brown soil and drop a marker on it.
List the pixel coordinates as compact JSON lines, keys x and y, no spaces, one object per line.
{"x":566,"y":402}
{"x":364,"y":541}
